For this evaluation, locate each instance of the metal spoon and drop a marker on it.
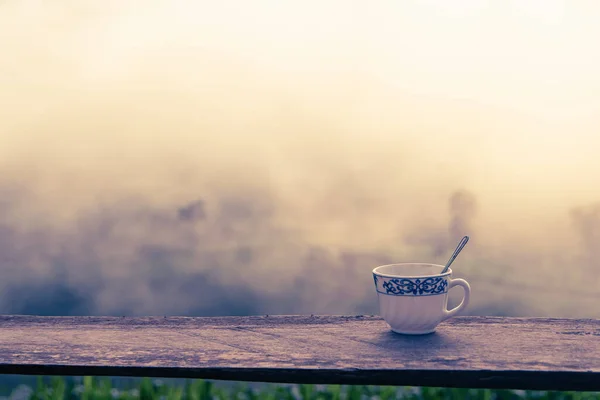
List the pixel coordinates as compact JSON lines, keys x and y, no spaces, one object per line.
{"x":460,"y":246}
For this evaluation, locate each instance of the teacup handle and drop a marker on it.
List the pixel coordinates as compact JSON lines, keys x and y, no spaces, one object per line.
{"x":465,"y":301}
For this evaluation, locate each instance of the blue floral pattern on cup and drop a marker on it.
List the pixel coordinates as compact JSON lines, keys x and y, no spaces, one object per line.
{"x":412,"y":287}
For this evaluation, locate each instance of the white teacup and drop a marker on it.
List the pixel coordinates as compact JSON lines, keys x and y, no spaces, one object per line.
{"x":413,"y":296}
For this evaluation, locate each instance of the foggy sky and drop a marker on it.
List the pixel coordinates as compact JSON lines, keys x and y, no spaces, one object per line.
{"x":213,"y":158}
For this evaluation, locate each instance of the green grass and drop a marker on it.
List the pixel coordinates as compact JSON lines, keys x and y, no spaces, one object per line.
{"x":93,"y":388}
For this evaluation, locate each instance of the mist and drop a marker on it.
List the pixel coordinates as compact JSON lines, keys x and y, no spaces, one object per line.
{"x":228,"y":158}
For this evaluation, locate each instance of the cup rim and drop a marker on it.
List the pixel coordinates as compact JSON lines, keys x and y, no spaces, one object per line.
{"x":447,"y":273}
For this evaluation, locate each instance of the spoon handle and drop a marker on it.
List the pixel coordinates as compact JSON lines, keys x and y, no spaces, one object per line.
{"x":458,"y":249}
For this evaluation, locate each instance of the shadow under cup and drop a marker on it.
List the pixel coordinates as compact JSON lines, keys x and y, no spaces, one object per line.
{"x":413,"y":297}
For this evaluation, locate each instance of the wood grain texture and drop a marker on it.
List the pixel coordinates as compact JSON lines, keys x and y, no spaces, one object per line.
{"x":474,"y":352}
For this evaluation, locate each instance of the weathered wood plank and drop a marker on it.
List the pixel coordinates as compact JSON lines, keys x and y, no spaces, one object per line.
{"x":548,"y":354}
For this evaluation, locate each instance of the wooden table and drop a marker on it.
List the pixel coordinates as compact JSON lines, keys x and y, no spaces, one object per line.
{"x":473,"y":352}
